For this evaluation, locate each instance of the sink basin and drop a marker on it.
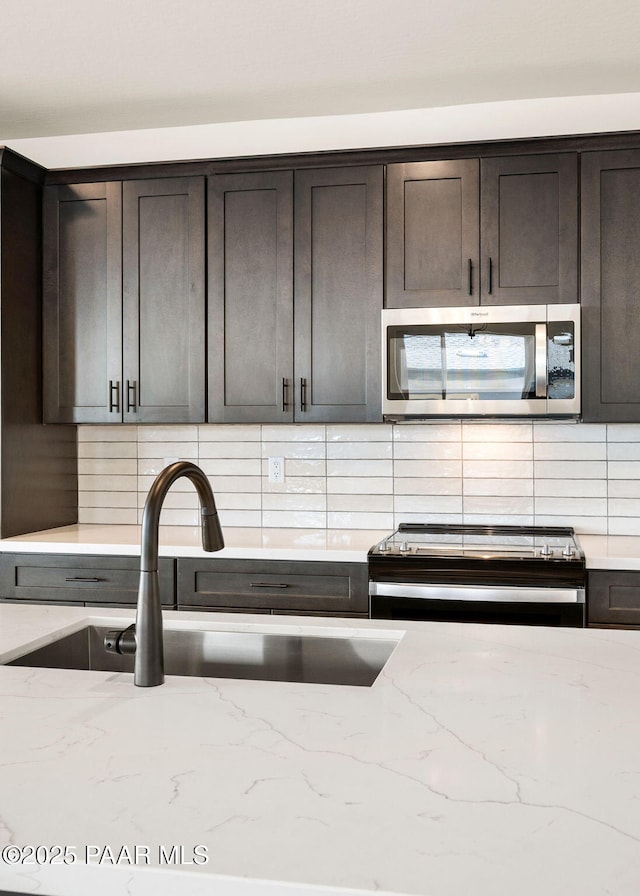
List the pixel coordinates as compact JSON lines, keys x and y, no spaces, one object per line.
{"x":229,"y":654}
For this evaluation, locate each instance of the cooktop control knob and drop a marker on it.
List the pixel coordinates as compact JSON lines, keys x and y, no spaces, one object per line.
{"x":545,"y":550}
{"x":404,"y":547}
{"x":568,"y":551}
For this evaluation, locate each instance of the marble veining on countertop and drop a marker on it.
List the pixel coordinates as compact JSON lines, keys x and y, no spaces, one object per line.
{"x":490,"y":760}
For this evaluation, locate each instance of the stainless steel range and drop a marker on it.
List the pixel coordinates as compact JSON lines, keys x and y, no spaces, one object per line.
{"x":526,"y":575}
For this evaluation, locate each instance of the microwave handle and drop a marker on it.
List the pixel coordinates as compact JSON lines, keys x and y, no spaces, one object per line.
{"x":541,"y":360}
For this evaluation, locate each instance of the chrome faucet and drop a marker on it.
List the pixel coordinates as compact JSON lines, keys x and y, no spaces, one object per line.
{"x":145,"y":638}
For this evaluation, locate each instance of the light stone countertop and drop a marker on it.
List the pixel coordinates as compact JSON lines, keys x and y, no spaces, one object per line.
{"x":347,"y":545}
{"x":490,"y":760}
{"x":344,"y":545}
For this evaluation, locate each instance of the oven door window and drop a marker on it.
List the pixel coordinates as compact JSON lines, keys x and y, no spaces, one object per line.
{"x":478,"y":361}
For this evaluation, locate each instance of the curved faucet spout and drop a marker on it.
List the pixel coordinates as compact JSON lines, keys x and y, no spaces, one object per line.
{"x":149,"y":656}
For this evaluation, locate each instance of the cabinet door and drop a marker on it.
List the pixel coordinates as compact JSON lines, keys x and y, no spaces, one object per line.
{"x":610,"y":278}
{"x":82,"y":303}
{"x":250,"y":332}
{"x":432,"y":234}
{"x":613,"y":598}
{"x":163,"y":300}
{"x":338,"y":294}
{"x":529,"y":235}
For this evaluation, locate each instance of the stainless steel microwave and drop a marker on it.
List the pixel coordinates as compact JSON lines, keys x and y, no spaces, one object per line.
{"x":481,"y":361}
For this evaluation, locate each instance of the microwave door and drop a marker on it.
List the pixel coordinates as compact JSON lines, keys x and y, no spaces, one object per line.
{"x":491,"y":363}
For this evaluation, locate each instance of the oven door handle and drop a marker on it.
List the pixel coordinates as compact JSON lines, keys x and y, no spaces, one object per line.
{"x":488,"y":593}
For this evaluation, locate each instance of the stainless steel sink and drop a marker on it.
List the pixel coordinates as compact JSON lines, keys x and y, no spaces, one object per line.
{"x":229,"y":654}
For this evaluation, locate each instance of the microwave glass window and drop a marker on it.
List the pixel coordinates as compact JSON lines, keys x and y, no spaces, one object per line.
{"x":495,"y":362}
{"x":561,"y":368}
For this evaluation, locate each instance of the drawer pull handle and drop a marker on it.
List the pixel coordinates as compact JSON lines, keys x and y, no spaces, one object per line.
{"x":268,"y":585}
{"x":83,"y":579}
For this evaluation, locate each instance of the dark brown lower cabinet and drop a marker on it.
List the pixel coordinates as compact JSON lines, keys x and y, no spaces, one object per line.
{"x":214,"y":585}
{"x":613,"y":598}
{"x":278,"y":586}
{"x":88,"y":580}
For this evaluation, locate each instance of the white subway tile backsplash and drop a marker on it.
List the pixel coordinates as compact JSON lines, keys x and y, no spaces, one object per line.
{"x":621,"y":526}
{"x":359,"y":450}
{"x":302,"y":519}
{"x":359,"y":485}
{"x":570,"y":469}
{"x":568,"y":451}
{"x":404,"y":504}
{"x":372,"y":476}
{"x":427,"y":432}
{"x":294,"y":501}
{"x":505,"y":433}
{"x":623,"y":432}
{"x":359,"y":467}
{"x":116,"y":516}
{"x":573,"y":506}
{"x":500,"y":505}
{"x":107,"y":499}
{"x":624,"y":488}
{"x":427,"y":451}
{"x":623,"y":451}
{"x":294,"y":432}
{"x":571,"y":488}
{"x":287,"y":450}
{"x":427,"y":485}
{"x":493,"y":469}
{"x":569,"y":432}
{"x":104,"y":483}
{"x":168,"y":433}
{"x":107,"y":466}
{"x":497,"y":451}
{"x":166,"y":449}
{"x":244,"y":519}
{"x":515,"y":487}
{"x":360,"y":432}
{"x":360,"y":503}
{"x":106,"y":449}
{"x":359,"y":520}
{"x":429,"y":468}
{"x":228,"y":432}
{"x":124,"y":433}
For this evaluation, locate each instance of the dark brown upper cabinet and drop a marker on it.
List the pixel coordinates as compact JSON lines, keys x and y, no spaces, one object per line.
{"x":250,"y":254}
{"x":610,"y":277}
{"x":433,"y":220}
{"x":124,"y":312}
{"x":500,"y":230}
{"x":295,"y":293}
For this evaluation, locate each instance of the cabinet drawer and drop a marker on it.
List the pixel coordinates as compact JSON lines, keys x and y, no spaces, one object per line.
{"x":273,"y":585}
{"x":91,"y":580}
{"x":613,"y":598}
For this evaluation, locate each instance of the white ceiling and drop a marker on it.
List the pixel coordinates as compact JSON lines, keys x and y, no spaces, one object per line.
{"x":93,"y":66}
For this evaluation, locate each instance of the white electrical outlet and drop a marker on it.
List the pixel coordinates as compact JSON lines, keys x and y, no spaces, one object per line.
{"x":276,"y":469}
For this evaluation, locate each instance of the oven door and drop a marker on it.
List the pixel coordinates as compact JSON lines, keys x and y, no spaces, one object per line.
{"x":476,"y":603}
